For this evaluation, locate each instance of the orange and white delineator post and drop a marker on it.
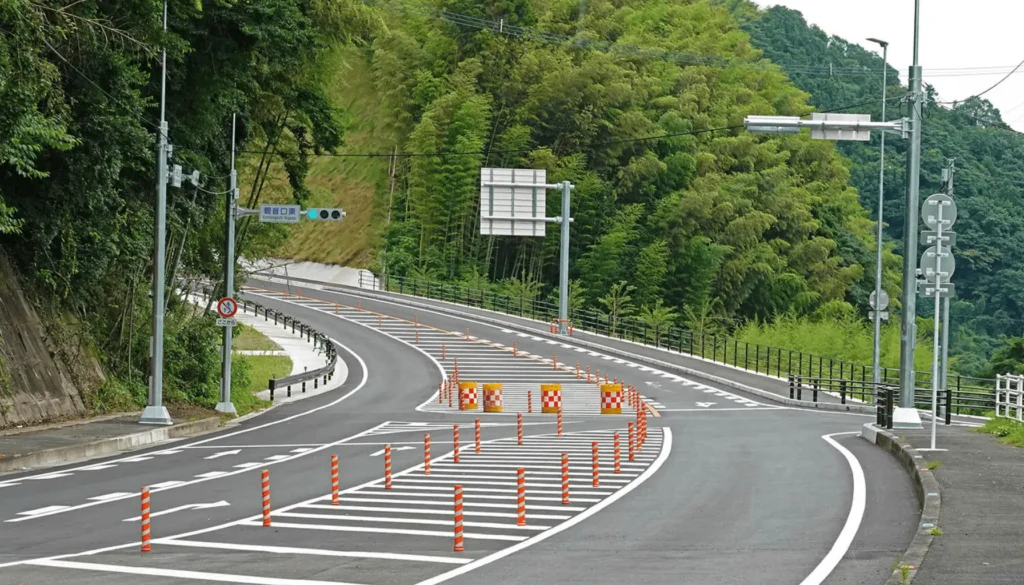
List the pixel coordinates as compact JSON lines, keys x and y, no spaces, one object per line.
{"x":146,"y":547}
{"x":426,"y":453}
{"x":616,"y":454}
{"x":554,"y":361}
{"x":440,"y":393}
{"x":559,"y":426}
{"x":519,"y":427}
{"x":611,"y":399}
{"x":455,"y":440}
{"x":476,"y":435}
{"x":550,"y":398}
{"x":529,"y":401}
{"x":593,"y":452}
{"x":565,"y":478}
{"x":266,"y":497}
{"x":521,"y":497}
{"x":492,"y":398}
{"x":334,"y":480}
{"x":515,"y":349}
{"x":458,"y":519}
{"x":467,"y":396}
{"x":448,"y":388}
{"x":588,"y":374}
{"x":577,"y":370}
{"x":387,"y":466}
{"x":632,"y":442}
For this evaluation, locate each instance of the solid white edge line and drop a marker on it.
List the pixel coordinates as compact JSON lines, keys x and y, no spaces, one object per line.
{"x":853,"y":520}
{"x":440,"y":367}
{"x":665,"y":450}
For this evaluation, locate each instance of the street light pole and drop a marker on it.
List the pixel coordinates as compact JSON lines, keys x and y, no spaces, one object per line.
{"x":906,"y":415}
{"x":231,"y":210}
{"x":876,"y":365}
{"x":155,"y":412}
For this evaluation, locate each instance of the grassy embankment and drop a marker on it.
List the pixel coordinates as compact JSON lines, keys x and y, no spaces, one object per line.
{"x":259,"y":368}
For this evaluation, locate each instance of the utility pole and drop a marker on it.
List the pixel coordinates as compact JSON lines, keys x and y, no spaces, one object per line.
{"x":155,"y":412}
{"x":231,"y":205}
{"x":906,"y":415}
{"x":563,"y":264}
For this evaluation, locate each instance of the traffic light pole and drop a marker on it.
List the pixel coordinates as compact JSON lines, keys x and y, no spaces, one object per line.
{"x":563,"y":264}
{"x":225,"y":405}
{"x":155,"y":412}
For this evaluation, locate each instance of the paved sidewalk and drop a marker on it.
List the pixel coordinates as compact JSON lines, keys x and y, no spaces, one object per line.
{"x":982,"y":489}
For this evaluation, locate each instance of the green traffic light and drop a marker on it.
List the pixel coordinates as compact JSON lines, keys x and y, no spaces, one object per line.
{"x":311,"y":213}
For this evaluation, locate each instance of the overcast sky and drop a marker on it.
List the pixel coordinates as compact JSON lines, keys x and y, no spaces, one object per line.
{"x":956,"y":35}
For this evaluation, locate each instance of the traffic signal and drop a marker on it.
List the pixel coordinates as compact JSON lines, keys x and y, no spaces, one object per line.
{"x":325,"y":214}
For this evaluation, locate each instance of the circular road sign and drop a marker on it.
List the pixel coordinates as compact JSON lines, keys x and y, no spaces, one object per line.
{"x":936,"y":267}
{"x":227,"y":307}
{"x":930,"y":211}
{"x":879,"y":306}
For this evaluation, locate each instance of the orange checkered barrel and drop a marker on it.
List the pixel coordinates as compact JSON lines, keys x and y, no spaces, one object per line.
{"x":492,"y":398}
{"x":611,"y":398}
{"x":550,"y":398}
{"x":467,"y":396}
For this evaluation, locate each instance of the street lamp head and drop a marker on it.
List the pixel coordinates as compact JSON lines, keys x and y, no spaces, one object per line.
{"x":879,"y":42}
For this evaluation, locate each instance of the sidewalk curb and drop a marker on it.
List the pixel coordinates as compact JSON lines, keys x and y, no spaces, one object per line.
{"x":928,"y":496}
{"x":73,"y":453}
{"x":399,"y":299}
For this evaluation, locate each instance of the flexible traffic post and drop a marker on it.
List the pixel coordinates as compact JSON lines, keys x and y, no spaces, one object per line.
{"x":266,"y":497}
{"x":565,"y":478}
{"x":440,"y":393}
{"x":334,"y":480}
{"x":467,"y":333}
{"x":359,"y":305}
{"x":387,"y":466}
{"x":515,"y":350}
{"x":632,"y":442}
{"x":606,"y":378}
{"x":335,"y":308}
{"x":554,"y":361}
{"x":519,"y":427}
{"x":521,"y":497}
{"x":588,"y":374}
{"x":458,"y":519}
{"x":477,"y":435}
{"x":529,"y":401}
{"x":380,"y":321}
{"x":449,"y":388}
{"x":456,"y":441}
{"x":593,"y":453}
{"x":417,"y":337}
{"x":426,"y":454}
{"x":577,"y":370}
{"x":443,"y":352}
{"x":145,"y":520}
{"x":616,"y":454}
{"x":559,"y":421}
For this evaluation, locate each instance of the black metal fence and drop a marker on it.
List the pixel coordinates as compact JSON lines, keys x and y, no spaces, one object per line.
{"x":321,"y":344}
{"x":978,"y":393}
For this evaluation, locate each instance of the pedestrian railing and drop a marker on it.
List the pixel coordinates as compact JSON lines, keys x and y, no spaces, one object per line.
{"x":321,"y":344}
{"x":976,"y":395}
{"x":1010,"y":397}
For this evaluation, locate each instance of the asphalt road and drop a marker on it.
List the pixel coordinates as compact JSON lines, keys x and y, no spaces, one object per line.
{"x":729,"y":489}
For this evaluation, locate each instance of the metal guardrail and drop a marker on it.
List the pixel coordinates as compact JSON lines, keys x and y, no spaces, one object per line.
{"x":977,"y":394}
{"x":1010,"y":397}
{"x":321,"y":343}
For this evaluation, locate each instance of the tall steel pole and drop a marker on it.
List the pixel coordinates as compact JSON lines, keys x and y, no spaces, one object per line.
{"x":563,"y":264}
{"x":876,"y":365}
{"x":156,"y":412}
{"x":231,"y":207}
{"x":906,"y":415}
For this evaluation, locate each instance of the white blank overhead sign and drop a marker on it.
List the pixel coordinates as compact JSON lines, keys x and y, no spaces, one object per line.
{"x":512,"y":202}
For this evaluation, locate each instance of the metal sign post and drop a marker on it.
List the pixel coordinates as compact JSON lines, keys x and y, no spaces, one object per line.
{"x":512,"y":203}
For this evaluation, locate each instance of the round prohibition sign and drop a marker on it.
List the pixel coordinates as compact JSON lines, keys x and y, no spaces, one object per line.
{"x":227,"y":307}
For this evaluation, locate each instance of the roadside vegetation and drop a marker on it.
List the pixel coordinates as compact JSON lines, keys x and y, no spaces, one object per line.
{"x":1009,"y":431}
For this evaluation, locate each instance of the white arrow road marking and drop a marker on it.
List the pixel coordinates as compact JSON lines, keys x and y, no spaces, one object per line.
{"x":224,"y":454}
{"x":706,"y":404}
{"x":381,"y":452}
{"x":219,"y":504}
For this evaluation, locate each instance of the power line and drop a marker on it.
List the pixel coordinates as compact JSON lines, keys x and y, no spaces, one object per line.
{"x":997,"y":84}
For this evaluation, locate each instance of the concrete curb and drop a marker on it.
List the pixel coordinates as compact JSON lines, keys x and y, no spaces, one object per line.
{"x":101,"y":447}
{"x":856,"y":408}
{"x":927,"y":490}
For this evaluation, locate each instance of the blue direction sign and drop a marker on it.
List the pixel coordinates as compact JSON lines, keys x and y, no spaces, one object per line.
{"x":275,"y":213}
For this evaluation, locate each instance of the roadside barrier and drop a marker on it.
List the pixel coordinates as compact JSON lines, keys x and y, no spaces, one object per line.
{"x":593,"y":452}
{"x":550,"y":398}
{"x":426,"y":454}
{"x":266,"y":497}
{"x":521,"y":497}
{"x":611,"y":399}
{"x":467,"y":396}
{"x":387,"y":466}
{"x":334,"y":480}
{"x":492,"y":398}
{"x":145,"y":521}
{"x":458,"y":519}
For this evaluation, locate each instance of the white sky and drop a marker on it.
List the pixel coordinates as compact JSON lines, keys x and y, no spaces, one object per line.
{"x":955,"y":34}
